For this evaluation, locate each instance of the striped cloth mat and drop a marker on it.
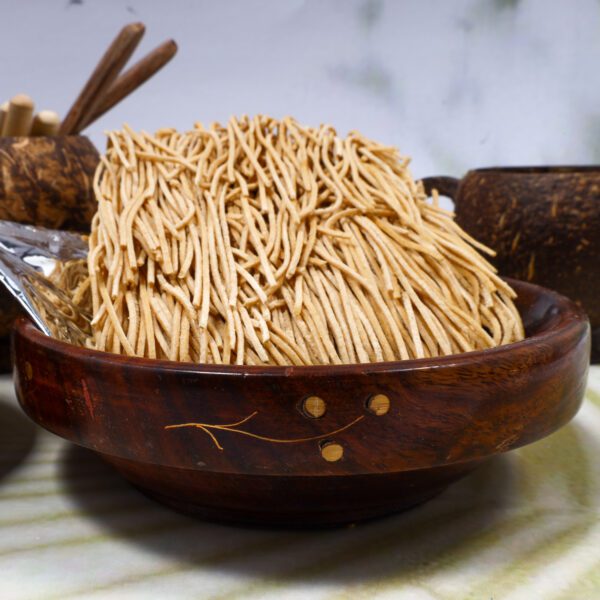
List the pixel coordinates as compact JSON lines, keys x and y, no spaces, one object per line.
{"x":524,"y":526}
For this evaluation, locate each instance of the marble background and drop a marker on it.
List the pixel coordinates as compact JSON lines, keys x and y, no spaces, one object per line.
{"x":454,"y":83}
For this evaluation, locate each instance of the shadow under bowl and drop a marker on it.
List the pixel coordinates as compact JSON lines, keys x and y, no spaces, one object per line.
{"x":240,"y":444}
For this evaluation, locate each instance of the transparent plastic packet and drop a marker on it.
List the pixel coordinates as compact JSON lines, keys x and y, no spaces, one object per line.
{"x":28,"y":258}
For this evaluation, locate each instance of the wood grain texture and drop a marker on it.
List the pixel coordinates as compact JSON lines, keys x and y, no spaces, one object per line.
{"x":446,"y":416}
{"x":544,"y":224}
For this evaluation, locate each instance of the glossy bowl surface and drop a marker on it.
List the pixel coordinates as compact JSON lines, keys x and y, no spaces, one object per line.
{"x":237,"y":443}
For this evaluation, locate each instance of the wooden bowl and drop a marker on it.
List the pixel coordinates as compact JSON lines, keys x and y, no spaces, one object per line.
{"x":544,"y":224}
{"x":44,"y":181}
{"x":307,"y":446}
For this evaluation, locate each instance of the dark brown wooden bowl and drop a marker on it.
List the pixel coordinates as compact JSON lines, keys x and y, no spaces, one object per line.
{"x":248,"y":444}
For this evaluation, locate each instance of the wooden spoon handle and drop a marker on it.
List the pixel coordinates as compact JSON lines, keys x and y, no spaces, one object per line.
{"x":18,"y":118}
{"x":134,"y":77}
{"x":105,"y":73}
{"x":46,"y":122}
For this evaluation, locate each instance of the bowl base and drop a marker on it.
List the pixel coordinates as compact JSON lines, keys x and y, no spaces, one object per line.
{"x":296,"y":502}
{"x":260,"y":519}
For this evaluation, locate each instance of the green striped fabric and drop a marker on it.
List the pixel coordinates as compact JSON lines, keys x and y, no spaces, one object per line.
{"x":524,"y":526}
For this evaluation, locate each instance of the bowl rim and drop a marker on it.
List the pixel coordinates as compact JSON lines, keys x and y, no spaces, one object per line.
{"x":573,"y":318}
{"x":538,"y":169}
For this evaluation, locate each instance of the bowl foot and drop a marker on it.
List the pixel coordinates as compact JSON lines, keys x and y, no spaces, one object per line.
{"x":296,"y":501}
{"x":256,"y":518}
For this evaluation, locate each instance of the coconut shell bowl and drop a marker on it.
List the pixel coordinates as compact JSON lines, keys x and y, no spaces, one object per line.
{"x":308,"y":446}
{"x":44,"y":181}
{"x":543,"y":223}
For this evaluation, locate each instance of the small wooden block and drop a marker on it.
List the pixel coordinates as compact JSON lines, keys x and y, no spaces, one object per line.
{"x":17,"y":122}
{"x":332,"y":452}
{"x":379,"y":404}
{"x":314,"y":407}
{"x":3,"y":112}
{"x":46,"y":122}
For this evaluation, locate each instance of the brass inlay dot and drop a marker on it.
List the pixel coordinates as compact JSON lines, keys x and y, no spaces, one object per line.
{"x":314,"y":407}
{"x":28,"y":371}
{"x":331,"y":451}
{"x":379,"y":404}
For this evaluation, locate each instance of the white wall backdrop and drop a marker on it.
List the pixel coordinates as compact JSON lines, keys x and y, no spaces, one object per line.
{"x":454,"y":83}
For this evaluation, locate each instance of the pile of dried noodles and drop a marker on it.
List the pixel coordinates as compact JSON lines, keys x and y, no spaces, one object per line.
{"x":266,"y":242}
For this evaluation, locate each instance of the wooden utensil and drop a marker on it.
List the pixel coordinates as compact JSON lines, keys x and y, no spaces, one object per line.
{"x":241,"y":443}
{"x":18,"y":117}
{"x":104,"y":75}
{"x":3,"y":111}
{"x":133,"y":78}
{"x":46,"y":122}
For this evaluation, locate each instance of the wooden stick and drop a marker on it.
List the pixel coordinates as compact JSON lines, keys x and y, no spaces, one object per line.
{"x":3,"y":111}
{"x":105,"y":73}
{"x":134,"y":77}
{"x":18,"y":118}
{"x":46,"y":122}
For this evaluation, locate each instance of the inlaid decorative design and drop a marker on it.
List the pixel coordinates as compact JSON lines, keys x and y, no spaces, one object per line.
{"x":332,"y":452}
{"x":314,"y":407}
{"x":379,"y":404}
{"x":210,"y":430}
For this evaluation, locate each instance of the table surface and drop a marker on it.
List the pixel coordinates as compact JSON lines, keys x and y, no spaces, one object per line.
{"x":525,"y":525}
